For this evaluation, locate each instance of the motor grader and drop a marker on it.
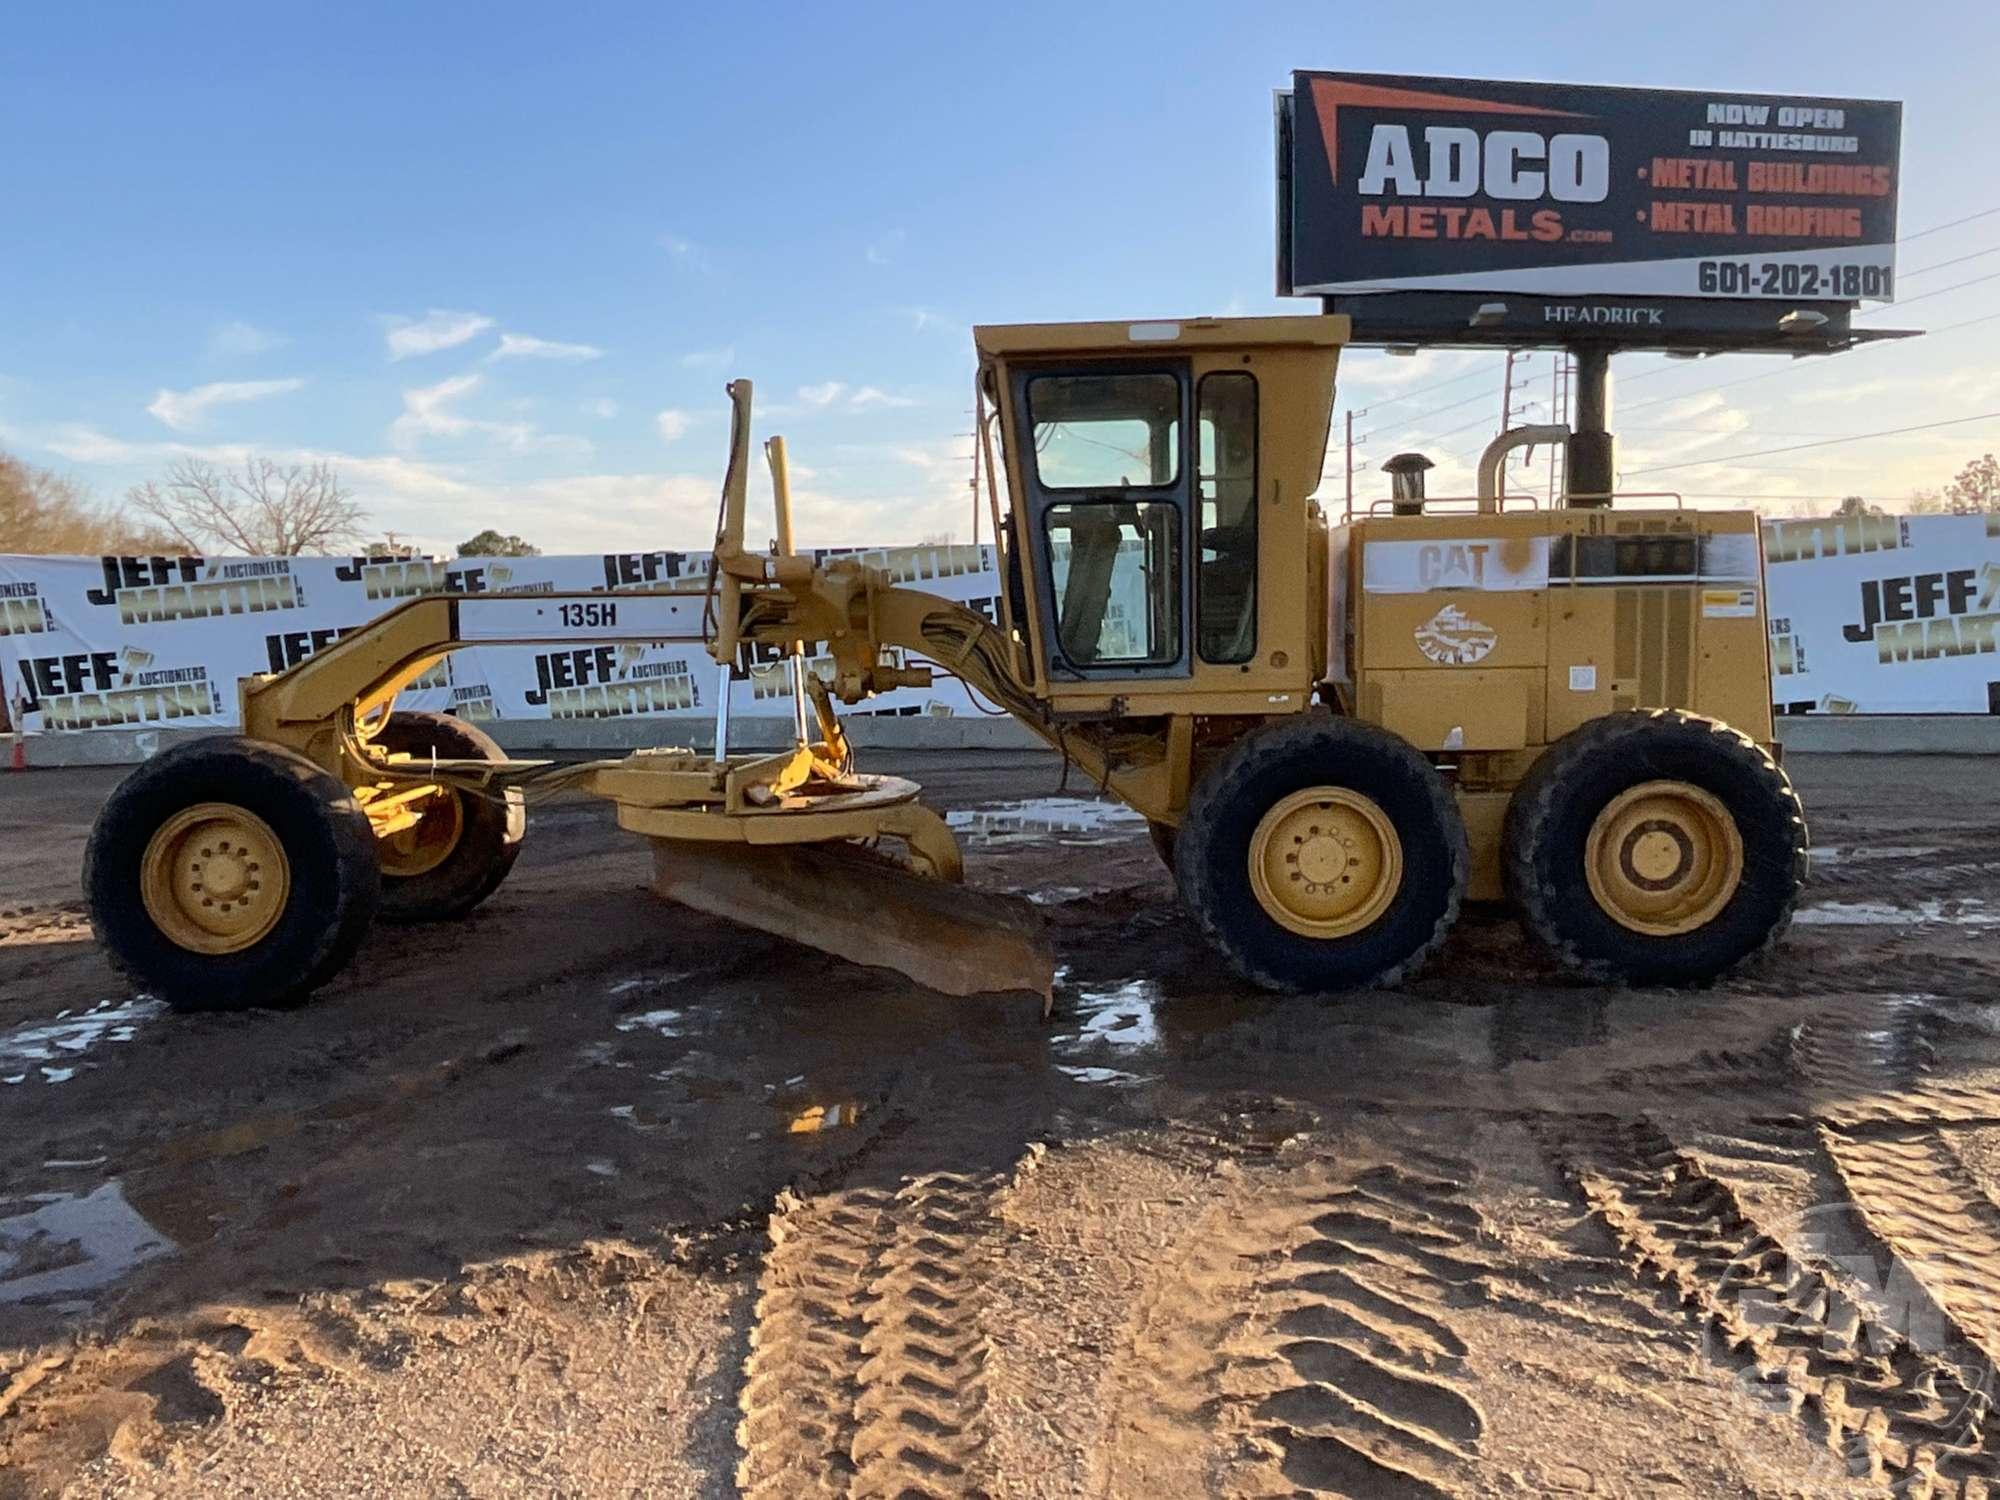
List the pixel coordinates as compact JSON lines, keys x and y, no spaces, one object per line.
{"x":1340,"y":729}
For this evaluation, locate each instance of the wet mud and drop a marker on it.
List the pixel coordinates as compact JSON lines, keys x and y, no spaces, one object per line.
{"x":587,"y":1195}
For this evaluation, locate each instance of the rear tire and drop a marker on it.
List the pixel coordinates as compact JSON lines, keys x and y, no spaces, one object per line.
{"x":1323,"y":854}
{"x":484,"y":832}
{"x":1164,"y":836}
{"x":1655,"y":847}
{"x":227,"y":873}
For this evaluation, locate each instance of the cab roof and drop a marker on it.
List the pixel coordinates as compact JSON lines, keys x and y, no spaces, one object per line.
{"x":1160,"y":334}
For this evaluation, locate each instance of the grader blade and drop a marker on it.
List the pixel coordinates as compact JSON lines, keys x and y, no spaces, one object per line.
{"x":859,"y":907}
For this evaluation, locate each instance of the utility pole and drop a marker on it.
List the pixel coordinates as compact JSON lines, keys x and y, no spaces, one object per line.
{"x":1558,"y":412}
{"x":1351,"y":440}
{"x":1350,"y":461}
{"x":975,"y":478}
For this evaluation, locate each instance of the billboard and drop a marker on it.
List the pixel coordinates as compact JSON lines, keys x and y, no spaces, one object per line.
{"x":161,"y":642}
{"x":1868,"y":614}
{"x":1885,"y":614}
{"x":1397,"y":183}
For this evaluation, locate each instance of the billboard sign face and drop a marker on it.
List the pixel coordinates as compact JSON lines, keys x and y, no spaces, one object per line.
{"x":1402,"y":183}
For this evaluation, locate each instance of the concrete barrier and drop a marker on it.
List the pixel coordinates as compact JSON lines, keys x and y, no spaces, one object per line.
{"x":563,"y":739}
{"x":1890,"y":734}
{"x":567,"y":739}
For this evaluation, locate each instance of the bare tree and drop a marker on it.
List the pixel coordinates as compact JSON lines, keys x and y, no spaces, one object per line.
{"x":45,"y":512}
{"x":266,"y":510}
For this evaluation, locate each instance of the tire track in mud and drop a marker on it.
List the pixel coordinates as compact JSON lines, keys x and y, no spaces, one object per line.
{"x":1304,"y":1344}
{"x":1884,"y":1122}
{"x":1797,"y":1333}
{"x":866,"y":1374}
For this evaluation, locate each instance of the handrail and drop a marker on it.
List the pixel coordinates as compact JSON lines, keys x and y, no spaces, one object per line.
{"x":1462,"y":504}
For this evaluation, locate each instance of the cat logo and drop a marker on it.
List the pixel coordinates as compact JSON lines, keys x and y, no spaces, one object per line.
{"x":1452,"y":638}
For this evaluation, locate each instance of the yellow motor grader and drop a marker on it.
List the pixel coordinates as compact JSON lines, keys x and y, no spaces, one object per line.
{"x":1339,"y":729}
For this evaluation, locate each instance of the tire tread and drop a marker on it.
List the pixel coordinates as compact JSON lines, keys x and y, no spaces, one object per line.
{"x":1537,"y":800}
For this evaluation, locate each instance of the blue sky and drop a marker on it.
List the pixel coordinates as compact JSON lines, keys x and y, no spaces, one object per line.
{"x":496,"y":261}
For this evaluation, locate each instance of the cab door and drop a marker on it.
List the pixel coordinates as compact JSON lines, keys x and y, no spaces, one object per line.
{"x":1108,"y":474}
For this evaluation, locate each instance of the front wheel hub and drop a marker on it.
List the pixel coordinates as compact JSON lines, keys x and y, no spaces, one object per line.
{"x":1325,"y":862}
{"x":214,"y":878}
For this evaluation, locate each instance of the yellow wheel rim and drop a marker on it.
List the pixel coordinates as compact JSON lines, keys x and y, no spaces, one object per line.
{"x":1663,"y":858}
{"x":1325,"y":862}
{"x":214,"y":878}
{"x":428,"y":842}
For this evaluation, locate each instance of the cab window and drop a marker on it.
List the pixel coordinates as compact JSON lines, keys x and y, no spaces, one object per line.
{"x":1116,"y":568}
{"x":1105,"y":432}
{"x":1226,"y":578}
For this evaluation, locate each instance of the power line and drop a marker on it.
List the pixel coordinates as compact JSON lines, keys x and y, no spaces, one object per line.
{"x":1698,"y":463}
{"x":1939,"y":265}
{"x":1425,"y":389}
{"x":1955,"y":286}
{"x":1988,"y":318}
{"x":1784,"y":369}
{"x":1721,"y":432}
{"x":1424,"y":416}
{"x":1984,"y":213}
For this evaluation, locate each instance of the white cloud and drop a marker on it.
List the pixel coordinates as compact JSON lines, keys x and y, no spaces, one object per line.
{"x":870,"y":395}
{"x":521,"y":346}
{"x":183,"y":409}
{"x":884,"y":250}
{"x":426,"y":413}
{"x":830,"y":393}
{"x":932,"y":456}
{"x":239,"y":340}
{"x":602,"y":407}
{"x":387,"y":473}
{"x":708,"y":359}
{"x":430,"y":411}
{"x":437,"y":329}
{"x":672,"y":423}
{"x":686,"y":253}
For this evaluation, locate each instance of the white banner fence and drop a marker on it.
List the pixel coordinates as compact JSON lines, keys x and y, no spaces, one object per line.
{"x":1872,"y":614}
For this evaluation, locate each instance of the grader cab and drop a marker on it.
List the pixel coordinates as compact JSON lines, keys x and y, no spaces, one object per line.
{"x":1339,"y":729}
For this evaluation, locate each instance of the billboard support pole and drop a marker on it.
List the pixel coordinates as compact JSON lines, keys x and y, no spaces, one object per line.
{"x":1592,"y":463}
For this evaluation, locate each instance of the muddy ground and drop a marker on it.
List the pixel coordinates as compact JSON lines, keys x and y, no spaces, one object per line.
{"x":590,"y":1196}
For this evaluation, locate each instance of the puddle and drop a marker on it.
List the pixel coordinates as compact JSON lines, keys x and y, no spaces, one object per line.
{"x":53,"y":1051}
{"x":659,"y":1022}
{"x":824,"y":1117}
{"x":1072,"y":819}
{"x":1835,"y":854}
{"x":74,"y":1243}
{"x":1056,"y":895}
{"x":1110,"y":1076}
{"x":649,"y":981}
{"x":1121,"y":1018}
{"x":1880,"y":914}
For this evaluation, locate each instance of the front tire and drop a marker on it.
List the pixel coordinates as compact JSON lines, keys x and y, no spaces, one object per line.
{"x":1655,"y":847}
{"x":1323,"y":854}
{"x":227,"y":873}
{"x":464,"y":844}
